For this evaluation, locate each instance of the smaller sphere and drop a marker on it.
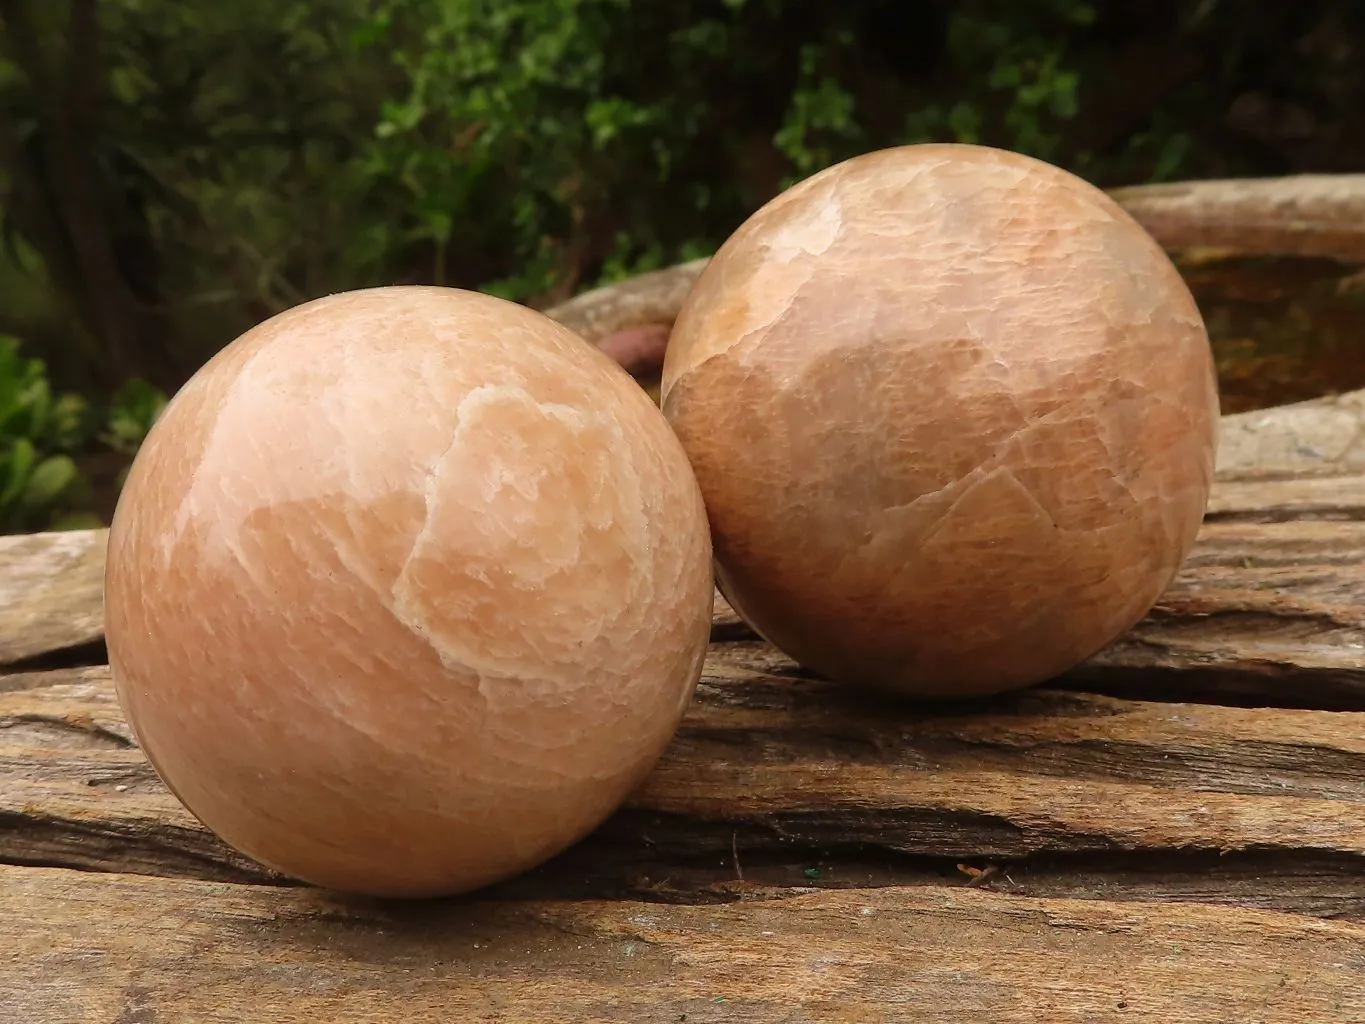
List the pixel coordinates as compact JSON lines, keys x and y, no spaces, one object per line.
{"x":407,"y":589}
{"x":953,"y":412}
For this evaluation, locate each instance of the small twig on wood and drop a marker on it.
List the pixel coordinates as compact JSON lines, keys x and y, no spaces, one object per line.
{"x":734,"y":852}
{"x":978,"y":876}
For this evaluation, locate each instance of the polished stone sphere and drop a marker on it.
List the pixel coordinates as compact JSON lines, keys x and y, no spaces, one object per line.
{"x":953,"y":413}
{"x":407,"y":590}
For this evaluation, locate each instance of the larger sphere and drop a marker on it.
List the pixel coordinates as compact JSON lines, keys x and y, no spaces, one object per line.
{"x":953,"y":412}
{"x":407,"y":589}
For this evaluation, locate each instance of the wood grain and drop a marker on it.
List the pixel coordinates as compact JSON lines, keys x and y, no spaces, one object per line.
{"x":1316,"y":215}
{"x":1267,"y":610}
{"x":51,"y":592}
{"x":788,"y":768}
{"x":638,"y":301}
{"x":1324,"y":435}
{"x":137,"y":949}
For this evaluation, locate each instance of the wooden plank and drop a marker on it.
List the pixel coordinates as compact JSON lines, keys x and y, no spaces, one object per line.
{"x":773,"y":767}
{"x":641,"y":300}
{"x":1271,"y":497}
{"x":105,"y":948}
{"x":51,"y":592}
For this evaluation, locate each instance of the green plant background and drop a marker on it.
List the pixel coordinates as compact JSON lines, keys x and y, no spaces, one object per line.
{"x":174,"y":171}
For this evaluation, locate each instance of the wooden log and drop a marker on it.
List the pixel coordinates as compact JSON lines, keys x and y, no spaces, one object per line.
{"x":640,"y":301}
{"x":1325,"y":435}
{"x":51,"y":592}
{"x":781,"y":768}
{"x":87,"y":948}
{"x":1314,"y":215}
{"x":1303,"y":215}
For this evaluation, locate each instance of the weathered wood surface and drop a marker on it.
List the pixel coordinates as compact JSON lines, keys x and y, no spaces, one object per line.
{"x":1320,"y":215}
{"x":1174,"y":831}
{"x":1270,"y":607}
{"x":778,"y":771}
{"x":1306,"y":438}
{"x":51,"y":592}
{"x":126,"y":950}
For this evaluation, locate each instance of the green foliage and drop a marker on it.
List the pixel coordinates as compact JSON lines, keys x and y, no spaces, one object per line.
{"x":43,"y":434}
{"x":38,"y":433}
{"x":524,"y":125}
{"x":230,"y":160}
{"x":247,"y":122}
{"x":571,"y":138}
{"x":253,"y":155}
{"x":820,"y":111}
{"x":1029,"y":84}
{"x":134,"y":409}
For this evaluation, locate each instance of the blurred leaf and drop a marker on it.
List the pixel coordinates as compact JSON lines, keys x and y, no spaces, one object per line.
{"x":17,"y":460}
{"x":75,"y":521}
{"x":49,"y":480}
{"x":134,"y":410}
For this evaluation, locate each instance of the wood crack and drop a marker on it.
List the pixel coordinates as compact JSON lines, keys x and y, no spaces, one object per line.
{"x":33,"y":728}
{"x":800,"y":772}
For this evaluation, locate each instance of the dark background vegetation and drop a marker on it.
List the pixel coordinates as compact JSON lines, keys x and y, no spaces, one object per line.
{"x":174,"y":171}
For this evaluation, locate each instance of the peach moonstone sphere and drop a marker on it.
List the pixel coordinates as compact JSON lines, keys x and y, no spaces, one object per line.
{"x":407,"y":589}
{"x":953,"y":413}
